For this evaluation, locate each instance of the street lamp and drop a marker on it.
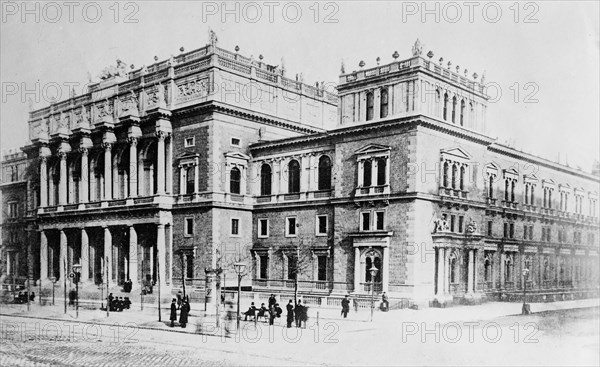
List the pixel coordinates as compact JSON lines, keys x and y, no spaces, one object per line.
{"x":525,"y":310}
{"x":373,"y":272}
{"x":76,"y":277}
{"x":240,"y":267}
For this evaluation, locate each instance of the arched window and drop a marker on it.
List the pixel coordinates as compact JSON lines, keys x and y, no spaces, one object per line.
{"x":531,"y":192}
{"x":453,"y":110}
{"x":491,"y":187}
{"x":462,"y":177}
{"x":445,"y":106}
{"x":445,"y":174}
{"x":462,"y":112}
{"x":512,"y":191}
{"x":370,"y":102}
{"x":454,"y":175}
{"x":234,"y":180}
{"x":381,"y":171}
{"x":506,"y":192}
{"x":526,"y":194}
{"x":383,"y":110}
{"x":324,"y":173}
{"x":367,"y":173}
{"x":293,"y":176}
{"x":265,"y":180}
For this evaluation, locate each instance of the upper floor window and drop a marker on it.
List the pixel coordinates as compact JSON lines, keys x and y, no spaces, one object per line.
{"x":13,"y":209}
{"x":235,"y":226}
{"x":383,"y":110}
{"x":373,"y":170}
{"x":321,"y":225}
{"x":263,"y":228}
{"x":235,"y":178}
{"x":367,"y":173}
{"x":462,"y":112}
{"x":381,"y":171}
{"x":236,"y":142}
{"x":290,"y":227}
{"x":453,"y":110}
{"x":445,"y":106}
{"x":189,"y":141}
{"x":293,"y":176}
{"x":190,"y":181}
{"x":188,"y":229}
{"x":265,"y":179}
{"x":370,"y":103}
{"x":324,"y":173}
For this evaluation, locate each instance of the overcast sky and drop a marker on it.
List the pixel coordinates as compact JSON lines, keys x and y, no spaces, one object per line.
{"x":542,"y":56}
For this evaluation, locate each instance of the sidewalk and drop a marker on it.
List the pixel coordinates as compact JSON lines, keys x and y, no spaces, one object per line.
{"x":201,"y":322}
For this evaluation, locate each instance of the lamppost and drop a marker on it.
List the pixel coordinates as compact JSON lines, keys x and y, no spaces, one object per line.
{"x":240,"y":267}
{"x":525,"y":310}
{"x":373,"y":272}
{"x":76,"y":277}
{"x":53,"y":280}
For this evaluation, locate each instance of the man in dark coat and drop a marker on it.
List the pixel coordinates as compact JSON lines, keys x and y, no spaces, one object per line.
{"x":183,"y":314}
{"x":290,"y":313}
{"x":251,"y":312}
{"x":272,"y":300}
{"x":345,"y":306}
{"x":173,"y":312}
{"x":278,"y":310}
{"x":299,"y":313}
{"x":272,"y":314}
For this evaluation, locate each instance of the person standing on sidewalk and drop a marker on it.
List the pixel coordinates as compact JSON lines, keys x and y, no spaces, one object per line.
{"x":173,"y":312}
{"x":345,"y":306}
{"x":290,"y":313}
{"x":183,"y":314}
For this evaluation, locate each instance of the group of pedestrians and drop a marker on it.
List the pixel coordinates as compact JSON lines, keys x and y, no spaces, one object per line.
{"x":118,"y":304}
{"x":23,"y":296}
{"x":296,"y":313}
{"x":383,"y":306}
{"x":184,"y":310}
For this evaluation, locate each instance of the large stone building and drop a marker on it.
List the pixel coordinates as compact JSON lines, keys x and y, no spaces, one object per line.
{"x":186,"y":166}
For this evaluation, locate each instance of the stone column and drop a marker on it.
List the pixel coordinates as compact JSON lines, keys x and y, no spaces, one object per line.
{"x":62,"y":188}
{"x":447,"y":271}
{"x":440,"y":271}
{"x":573,"y":265}
{"x":557,"y":270}
{"x":107,"y":192}
{"x":133,"y":256}
{"x":63,"y":255}
{"x":304,"y":173}
{"x":361,"y":168}
{"x":85,"y":176}
{"x":356,"y":269}
{"x":107,"y":256}
{"x":374,"y":167}
{"x":385,"y":272}
{"x":161,"y":253}
{"x":196,"y":178}
{"x":140,"y":175}
{"x":502,"y":269}
{"x":85,"y":256}
{"x":182,"y":180}
{"x":44,"y":182}
{"x":133,"y":166}
{"x":160,"y":162}
{"x":470,"y":271}
{"x":169,"y":165}
{"x":274,"y":178}
{"x":43,"y":255}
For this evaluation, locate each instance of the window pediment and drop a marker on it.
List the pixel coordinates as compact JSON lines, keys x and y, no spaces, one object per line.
{"x":237,"y":155}
{"x":531,"y":178}
{"x":373,"y":149}
{"x":564,"y":188}
{"x":511,"y":173}
{"x":550,"y":183}
{"x":455,"y":154}
{"x":492,"y":169}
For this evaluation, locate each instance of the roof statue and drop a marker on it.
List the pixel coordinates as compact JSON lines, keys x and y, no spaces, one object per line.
{"x":212,"y":37}
{"x":113,"y":71}
{"x":417,"y":48}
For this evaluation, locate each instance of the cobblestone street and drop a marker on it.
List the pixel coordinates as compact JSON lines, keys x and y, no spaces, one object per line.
{"x":557,"y":335}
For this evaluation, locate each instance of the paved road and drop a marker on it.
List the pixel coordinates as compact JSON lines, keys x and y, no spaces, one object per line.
{"x":564,"y":337}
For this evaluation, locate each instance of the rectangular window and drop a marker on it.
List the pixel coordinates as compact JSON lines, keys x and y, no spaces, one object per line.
{"x":235,"y":227}
{"x":292,"y":268}
{"x":290,"y":227}
{"x":380,"y":221}
{"x":452,"y":220}
{"x":512,"y":230}
{"x":264,"y":267}
{"x":461,"y":220}
{"x":505,"y":234}
{"x":190,"y":141}
{"x":525,"y":228}
{"x":489,"y":228}
{"x":263,"y":228}
{"x":13,"y":211}
{"x":365,"y":224}
{"x":321,"y":225}
{"x":236,"y":142}
{"x":189,"y":266}
{"x":189,"y":227}
{"x":549,"y":234}
{"x":322,"y":267}
{"x":531,"y":232}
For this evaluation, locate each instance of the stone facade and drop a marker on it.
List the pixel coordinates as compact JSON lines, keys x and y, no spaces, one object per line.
{"x":211,"y":158}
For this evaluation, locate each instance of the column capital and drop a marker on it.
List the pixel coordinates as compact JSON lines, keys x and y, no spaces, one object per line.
{"x":132,"y":140}
{"x":106,"y":146}
{"x":61,"y":154}
{"x":43,"y":158}
{"x":161,"y":135}
{"x":83,"y":151}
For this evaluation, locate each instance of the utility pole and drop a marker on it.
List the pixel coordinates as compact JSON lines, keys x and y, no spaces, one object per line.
{"x":158,"y":281}
{"x":65,"y":284}
{"x":106,"y":271}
